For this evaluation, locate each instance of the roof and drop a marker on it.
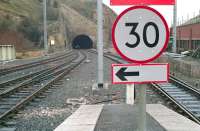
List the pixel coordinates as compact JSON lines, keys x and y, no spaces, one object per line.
{"x":194,"y":20}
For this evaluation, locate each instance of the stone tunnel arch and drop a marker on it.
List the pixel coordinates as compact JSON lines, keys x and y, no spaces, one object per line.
{"x":82,"y":42}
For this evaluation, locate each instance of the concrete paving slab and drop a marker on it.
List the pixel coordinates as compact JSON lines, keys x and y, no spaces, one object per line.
{"x":7,"y":129}
{"x":123,"y":118}
{"x":84,"y":119}
{"x":77,"y":128}
{"x":171,"y":120}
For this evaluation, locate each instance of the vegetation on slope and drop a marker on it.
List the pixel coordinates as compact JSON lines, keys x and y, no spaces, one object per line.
{"x":26,"y":17}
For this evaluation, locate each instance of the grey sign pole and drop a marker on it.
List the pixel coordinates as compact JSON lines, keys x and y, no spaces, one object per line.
{"x":100,"y":42}
{"x":45,"y":25}
{"x":174,"y":27}
{"x":142,"y":108}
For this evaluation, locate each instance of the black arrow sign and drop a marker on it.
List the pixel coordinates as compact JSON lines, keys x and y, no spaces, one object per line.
{"x":121,"y":74}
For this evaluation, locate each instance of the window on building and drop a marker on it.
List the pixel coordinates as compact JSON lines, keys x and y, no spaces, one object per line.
{"x":198,"y":43}
{"x":195,"y":44}
{"x":181,"y":43}
{"x":184,"y":44}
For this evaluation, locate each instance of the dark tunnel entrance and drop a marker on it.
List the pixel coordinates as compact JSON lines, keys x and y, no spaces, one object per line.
{"x":82,"y":42}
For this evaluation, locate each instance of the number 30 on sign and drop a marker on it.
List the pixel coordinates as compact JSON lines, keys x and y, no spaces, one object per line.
{"x":140,"y":34}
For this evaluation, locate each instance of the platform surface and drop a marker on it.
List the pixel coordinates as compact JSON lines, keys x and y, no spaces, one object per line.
{"x":124,"y":118}
{"x":171,"y":120}
{"x":84,"y":119}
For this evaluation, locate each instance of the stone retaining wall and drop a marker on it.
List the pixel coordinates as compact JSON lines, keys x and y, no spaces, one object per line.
{"x":185,"y":67}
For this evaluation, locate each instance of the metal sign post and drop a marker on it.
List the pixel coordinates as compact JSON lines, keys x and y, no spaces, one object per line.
{"x":100,"y":42}
{"x":140,"y":39}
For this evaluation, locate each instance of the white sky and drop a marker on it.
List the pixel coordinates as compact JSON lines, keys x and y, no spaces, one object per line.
{"x":186,"y":8}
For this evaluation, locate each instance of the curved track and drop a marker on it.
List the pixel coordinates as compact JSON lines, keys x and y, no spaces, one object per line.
{"x":17,"y":95}
{"x":33,"y":64}
{"x":22,"y":77}
{"x":184,"y":96}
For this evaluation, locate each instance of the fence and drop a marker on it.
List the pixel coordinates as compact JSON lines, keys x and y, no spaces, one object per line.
{"x":7,"y":52}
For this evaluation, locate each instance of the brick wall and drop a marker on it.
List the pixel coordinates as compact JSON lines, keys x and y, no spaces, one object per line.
{"x":14,"y":38}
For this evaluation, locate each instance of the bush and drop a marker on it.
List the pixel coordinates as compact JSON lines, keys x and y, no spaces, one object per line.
{"x":52,"y":13}
{"x":6,"y":24}
{"x":55,"y":4}
{"x":82,"y":8}
{"x":30,"y":30}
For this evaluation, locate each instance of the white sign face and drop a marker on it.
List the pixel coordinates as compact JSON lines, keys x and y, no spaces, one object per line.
{"x":140,"y":34}
{"x":139,"y":74}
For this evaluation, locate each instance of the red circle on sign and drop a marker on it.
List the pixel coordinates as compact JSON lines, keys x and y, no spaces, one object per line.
{"x":150,"y":59}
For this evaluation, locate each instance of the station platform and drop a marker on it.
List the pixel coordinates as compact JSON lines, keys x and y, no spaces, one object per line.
{"x":124,"y":118}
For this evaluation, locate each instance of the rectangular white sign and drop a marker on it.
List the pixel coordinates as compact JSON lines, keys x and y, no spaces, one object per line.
{"x":139,"y":74}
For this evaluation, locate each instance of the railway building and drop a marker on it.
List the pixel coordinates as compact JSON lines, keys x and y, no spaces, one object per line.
{"x":188,"y":35}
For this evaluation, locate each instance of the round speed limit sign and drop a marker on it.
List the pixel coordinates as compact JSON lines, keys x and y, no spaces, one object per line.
{"x":140,"y":34}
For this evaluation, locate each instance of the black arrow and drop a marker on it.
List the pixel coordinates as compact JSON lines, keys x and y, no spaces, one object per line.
{"x":121,"y":74}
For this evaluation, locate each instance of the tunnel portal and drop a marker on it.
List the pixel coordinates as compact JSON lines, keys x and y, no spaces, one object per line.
{"x":82,"y":42}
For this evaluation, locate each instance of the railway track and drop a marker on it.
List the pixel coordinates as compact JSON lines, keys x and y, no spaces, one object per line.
{"x":33,"y":64}
{"x":20,"y":77}
{"x":184,"y":97}
{"x":21,"y":80}
{"x":15,"y":96}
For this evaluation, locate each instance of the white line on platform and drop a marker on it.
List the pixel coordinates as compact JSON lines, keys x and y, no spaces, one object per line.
{"x":171,"y":120}
{"x":84,"y":119}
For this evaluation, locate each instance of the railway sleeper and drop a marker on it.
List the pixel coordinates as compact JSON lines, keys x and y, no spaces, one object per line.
{"x":185,"y":98}
{"x":180,"y":95}
{"x":194,"y":110}
{"x":193,"y":106}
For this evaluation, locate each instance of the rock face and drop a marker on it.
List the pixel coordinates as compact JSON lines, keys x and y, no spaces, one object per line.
{"x":77,"y":23}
